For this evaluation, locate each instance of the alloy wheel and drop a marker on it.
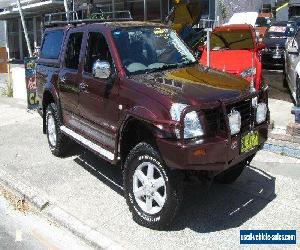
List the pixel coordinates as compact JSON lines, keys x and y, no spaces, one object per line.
{"x":149,"y":188}
{"x":51,"y":128}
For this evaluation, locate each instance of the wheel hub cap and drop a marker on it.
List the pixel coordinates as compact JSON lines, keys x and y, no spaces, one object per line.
{"x":149,"y":188}
{"x":51,"y":130}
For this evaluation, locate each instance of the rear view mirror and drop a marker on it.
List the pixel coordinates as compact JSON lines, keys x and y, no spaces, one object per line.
{"x":293,"y":50}
{"x":101,"y":69}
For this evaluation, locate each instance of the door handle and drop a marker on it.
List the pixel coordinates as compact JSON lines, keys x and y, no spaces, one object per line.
{"x":82,"y":87}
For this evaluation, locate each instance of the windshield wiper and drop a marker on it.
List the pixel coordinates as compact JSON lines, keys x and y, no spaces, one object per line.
{"x":171,"y":66}
{"x":166,"y":66}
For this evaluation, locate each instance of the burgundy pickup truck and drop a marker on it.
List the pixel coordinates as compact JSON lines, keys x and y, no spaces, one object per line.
{"x":134,"y":94}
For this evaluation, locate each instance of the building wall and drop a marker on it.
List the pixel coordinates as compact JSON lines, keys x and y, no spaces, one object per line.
{"x":2,"y":34}
{"x":235,"y":6}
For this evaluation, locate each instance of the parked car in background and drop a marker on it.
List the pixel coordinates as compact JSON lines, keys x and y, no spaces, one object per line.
{"x":295,"y":19}
{"x":243,"y":18}
{"x":235,"y":50}
{"x":263,"y":22}
{"x":292,"y":67}
{"x":275,"y":40}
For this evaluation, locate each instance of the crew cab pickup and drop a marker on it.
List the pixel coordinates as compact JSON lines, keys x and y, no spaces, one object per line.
{"x":135,"y":95}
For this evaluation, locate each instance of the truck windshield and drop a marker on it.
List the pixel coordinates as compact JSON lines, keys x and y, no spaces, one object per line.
{"x":232,"y":40}
{"x":148,"y":49}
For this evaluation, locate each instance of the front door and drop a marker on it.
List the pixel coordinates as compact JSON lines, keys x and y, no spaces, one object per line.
{"x":69,"y":77}
{"x":98,"y":98}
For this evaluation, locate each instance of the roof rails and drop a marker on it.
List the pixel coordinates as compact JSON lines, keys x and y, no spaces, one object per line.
{"x":71,"y":17}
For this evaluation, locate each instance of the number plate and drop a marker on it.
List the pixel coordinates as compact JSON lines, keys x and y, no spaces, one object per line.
{"x":249,"y":141}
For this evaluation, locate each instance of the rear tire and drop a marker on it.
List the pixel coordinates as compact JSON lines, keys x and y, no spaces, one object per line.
{"x":285,"y":83}
{"x":58,"y":142}
{"x":298,"y":92}
{"x":153,"y":192}
{"x":231,"y":175}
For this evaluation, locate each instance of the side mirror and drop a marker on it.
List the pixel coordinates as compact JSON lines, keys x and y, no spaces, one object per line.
{"x":101,"y":69}
{"x":293,"y":50}
{"x":261,"y":46}
{"x":201,"y":49}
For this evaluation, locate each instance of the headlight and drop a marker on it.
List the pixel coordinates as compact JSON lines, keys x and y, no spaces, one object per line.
{"x":248,"y":72}
{"x":261,"y":113}
{"x":192,"y":125}
{"x":234,"y":122}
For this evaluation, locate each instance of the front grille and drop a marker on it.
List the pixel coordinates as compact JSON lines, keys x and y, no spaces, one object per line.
{"x":215,"y":121}
{"x":276,"y":49}
{"x":212,"y":121}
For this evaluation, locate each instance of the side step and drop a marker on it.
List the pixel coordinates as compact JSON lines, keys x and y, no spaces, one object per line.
{"x":105,"y":153}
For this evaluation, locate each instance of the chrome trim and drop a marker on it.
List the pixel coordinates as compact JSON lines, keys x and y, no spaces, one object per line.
{"x":107,"y":154}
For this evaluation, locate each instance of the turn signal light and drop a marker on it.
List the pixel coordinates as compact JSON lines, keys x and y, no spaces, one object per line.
{"x":200,"y":152}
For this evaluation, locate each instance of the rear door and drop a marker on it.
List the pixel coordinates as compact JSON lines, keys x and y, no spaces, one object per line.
{"x":98,"y":98}
{"x":70,"y":76}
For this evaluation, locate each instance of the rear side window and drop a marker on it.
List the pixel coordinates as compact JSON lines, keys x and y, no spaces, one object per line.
{"x":52,"y":44}
{"x":73,"y":50}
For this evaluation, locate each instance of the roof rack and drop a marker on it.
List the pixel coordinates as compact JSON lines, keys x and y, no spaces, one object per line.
{"x":71,"y":17}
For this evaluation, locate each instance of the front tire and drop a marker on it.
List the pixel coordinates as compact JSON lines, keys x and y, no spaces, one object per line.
{"x":58,"y":142}
{"x":285,"y":83}
{"x":153,"y":192}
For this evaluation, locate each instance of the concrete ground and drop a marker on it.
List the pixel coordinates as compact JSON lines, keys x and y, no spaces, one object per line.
{"x":280,"y":102}
{"x":266,"y":196}
{"x":26,"y":230}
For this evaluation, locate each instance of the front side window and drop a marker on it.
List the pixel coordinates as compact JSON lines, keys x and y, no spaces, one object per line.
{"x":232,"y":40}
{"x":52,"y":44}
{"x":73,"y":50}
{"x":148,"y":49}
{"x":97,"y":49}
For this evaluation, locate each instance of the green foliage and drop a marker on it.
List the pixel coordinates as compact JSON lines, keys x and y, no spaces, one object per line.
{"x":222,"y":9}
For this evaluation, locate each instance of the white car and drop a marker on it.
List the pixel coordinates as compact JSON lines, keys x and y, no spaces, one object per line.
{"x":243,"y":18}
{"x":292,"y":67}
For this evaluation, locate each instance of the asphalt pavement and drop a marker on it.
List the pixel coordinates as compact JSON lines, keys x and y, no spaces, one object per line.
{"x":266,"y":196}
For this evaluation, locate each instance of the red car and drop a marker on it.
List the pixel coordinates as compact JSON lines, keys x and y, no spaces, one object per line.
{"x":234,"y":49}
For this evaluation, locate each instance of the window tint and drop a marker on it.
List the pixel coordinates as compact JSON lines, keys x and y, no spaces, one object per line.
{"x":97,"y":49}
{"x":52,"y":44}
{"x":73,"y":50}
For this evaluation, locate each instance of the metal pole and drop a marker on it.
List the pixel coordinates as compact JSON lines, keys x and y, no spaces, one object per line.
{"x":25,"y":28}
{"x":113,"y":8}
{"x":66,"y":9}
{"x":208,"y":30}
{"x":161,"y":10}
{"x":145,"y":10}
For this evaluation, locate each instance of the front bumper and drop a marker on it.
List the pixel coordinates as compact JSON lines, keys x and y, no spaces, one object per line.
{"x":213,"y":154}
{"x":268,"y":59}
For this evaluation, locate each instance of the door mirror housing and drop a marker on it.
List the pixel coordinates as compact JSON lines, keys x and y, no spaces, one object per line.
{"x":101,"y":69}
{"x":293,"y":50}
{"x":201,"y":48}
